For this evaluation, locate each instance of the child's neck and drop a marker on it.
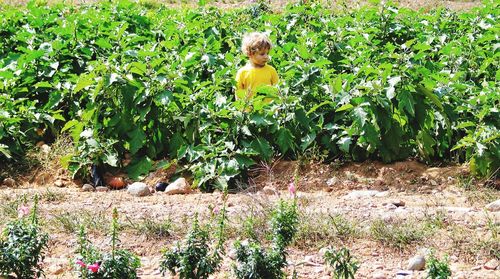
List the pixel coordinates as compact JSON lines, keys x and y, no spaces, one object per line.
{"x":256,"y":65}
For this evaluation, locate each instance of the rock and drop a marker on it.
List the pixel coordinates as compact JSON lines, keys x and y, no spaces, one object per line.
{"x":138,"y":189}
{"x":379,"y":275}
{"x":332,"y":181}
{"x":161,"y":186}
{"x":179,"y":186}
{"x":491,"y":264}
{"x":404,"y":272}
{"x":391,"y":206}
{"x":433,"y":182}
{"x":477,"y":267}
{"x":398,"y":203}
{"x":493,"y":207}
{"x":232,"y":254}
{"x":101,"y":189}
{"x":59,"y":183}
{"x":382,"y":194}
{"x":9,"y":182}
{"x":268,"y":190}
{"x":416,"y":263}
{"x":361,"y":194}
{"x":88,"y":188}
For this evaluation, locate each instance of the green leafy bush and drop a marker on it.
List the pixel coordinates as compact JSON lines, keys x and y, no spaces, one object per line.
{"x":194,"y":258}
{"x":343,"y":265}
{"x":22,"y":245}
{"x":92,"y":263}
{"x":253,"y":261}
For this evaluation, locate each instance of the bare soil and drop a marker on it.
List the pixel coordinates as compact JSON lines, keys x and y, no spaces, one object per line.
{"x":443,"y":196}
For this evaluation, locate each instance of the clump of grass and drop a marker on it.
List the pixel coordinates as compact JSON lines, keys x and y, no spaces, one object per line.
{"x":70,"y":222}
{"x":152,"y":228}
{"x":53,"y":196}
{"x":319,"y":230}
{"x":399,"y":234}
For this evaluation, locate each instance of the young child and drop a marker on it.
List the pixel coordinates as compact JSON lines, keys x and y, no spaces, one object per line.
{"x":256,"y":72}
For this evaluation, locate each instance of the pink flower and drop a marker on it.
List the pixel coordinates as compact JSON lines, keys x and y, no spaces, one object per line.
{"x":23,"y":210}
{"x":93,"y":267}
{"x":291,"y":189}
{"x":216,"y":210}
{"x":80,"y":263}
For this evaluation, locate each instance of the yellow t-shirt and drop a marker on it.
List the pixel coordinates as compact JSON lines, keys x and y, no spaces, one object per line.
{"x":249,"y":77}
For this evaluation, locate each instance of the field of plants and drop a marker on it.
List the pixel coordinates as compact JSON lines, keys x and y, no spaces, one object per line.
{"x":369,"y":95}
{"x":154,"y":85}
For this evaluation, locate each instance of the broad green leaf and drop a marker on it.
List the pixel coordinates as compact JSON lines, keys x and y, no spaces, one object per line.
{"x":139,"y":166}
{"x":285,"y":140}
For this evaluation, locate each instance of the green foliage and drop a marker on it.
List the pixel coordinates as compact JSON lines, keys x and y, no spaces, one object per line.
{"x":125,"y":79}
{"x":92,"y":263}
{"x":253,"y":261}
{"x":343,"y":265}
{"x":437,"y":269}
{"x":22,"y":246}
{"x":194,"y":258}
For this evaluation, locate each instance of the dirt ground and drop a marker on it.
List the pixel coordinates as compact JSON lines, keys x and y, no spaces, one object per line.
{"x":442,"y":206}
{"x":279,"y":4}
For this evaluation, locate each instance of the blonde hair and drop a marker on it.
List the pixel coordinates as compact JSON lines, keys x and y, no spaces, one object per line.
{"x":254,"y":42}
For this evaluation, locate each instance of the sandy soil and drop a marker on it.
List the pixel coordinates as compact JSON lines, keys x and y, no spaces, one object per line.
{"x":430,"y":195}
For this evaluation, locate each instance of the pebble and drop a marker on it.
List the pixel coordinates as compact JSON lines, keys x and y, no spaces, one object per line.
{"x":88,"y":188}
{"x":391,"y":206}
{"x":399,"y":203}
{"x":361,"y":194}
{"x":101,"y":189}
{"x":491,"y":264}
{"x":138,"y":189}
{"x":179,"y":186}
{"x":59,"y":183}
{"x":9,"y":182}
{"x":416,"y":263}
{"x":493,"y":207}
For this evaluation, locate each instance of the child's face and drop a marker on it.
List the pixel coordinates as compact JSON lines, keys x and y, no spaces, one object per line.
{"x":259,"y":58}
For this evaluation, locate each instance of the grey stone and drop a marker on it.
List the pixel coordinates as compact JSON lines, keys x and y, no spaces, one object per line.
{"x":416,"y":263}
{"x":88,"y":188}
{"x":138,"y":189}
{"x":491,"y":264}
{"x":494,"y":206}
{"x":361,"y":194}
{"x":179,"y":186}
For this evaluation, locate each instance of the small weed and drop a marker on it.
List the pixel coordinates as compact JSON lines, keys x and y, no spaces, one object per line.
{"x":344,"y":228}
{"x":344,"y":266}
{"x":53,"y":196}
{"x":153,"y":228}
{"x":71,"y":222}
{"x":437,"y":220}
{"x":398,"y":234}
{"x":437,"y":269}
